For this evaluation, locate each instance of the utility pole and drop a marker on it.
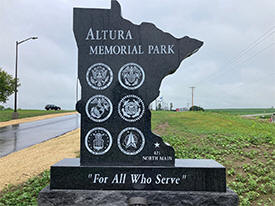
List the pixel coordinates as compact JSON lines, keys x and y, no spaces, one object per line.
{"x":192,"y":97}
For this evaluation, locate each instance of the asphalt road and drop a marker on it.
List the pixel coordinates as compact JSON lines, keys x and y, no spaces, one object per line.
{"x":20,"y":136}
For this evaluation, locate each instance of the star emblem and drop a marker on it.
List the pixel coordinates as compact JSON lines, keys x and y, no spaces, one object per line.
{"x":156,"y":145}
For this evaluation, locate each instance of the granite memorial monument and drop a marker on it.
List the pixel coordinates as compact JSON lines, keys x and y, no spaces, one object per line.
{"x":120,"y":69}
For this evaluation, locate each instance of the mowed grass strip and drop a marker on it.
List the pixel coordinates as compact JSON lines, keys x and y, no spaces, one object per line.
{"x":244,"y":111}
{"x":245,"y":147}
{"x":6,"y":115}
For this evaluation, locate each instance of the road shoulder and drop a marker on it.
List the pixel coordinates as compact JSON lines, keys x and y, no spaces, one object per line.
{"x":32,"y":119}
{"x":19,"y":166}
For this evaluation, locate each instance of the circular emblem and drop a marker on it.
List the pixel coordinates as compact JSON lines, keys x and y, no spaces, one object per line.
{"x":130,"y":108}
{"x":98,"y":141}
{"x":131,"y":76}
{"x":99,"y":108}
{"x":130,"y":141}
{"x":99,"y":76}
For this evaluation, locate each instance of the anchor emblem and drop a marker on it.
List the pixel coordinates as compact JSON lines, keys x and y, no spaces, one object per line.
{"x":131,"y":76}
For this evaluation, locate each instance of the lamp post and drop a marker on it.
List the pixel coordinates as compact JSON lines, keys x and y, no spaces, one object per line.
{"x":15,"y":114}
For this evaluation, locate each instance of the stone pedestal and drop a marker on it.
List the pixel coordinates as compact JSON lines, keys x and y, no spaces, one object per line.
{"x":49,"y":197}
{"x":189,"y":182}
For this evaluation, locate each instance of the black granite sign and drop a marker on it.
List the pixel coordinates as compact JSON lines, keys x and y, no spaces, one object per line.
{"x":120,"y":68}
{"x":186,"y":175}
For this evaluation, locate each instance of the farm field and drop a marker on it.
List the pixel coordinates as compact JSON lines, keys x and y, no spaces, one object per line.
{"x":244,"y":146}
{"x":243,"y":111}
{"x":5,"y":115}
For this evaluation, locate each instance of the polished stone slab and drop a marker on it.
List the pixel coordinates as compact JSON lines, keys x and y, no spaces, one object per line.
{"x":49,"y":197}
{"x":120,"y":69}
{"x":186,"y":175}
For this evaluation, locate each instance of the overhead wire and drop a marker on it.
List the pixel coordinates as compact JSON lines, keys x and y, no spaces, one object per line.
{"x":247,"y":59}
{"x":254,"y":43}
{"x":235,"y":61}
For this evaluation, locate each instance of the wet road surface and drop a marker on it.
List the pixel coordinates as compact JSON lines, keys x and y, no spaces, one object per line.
{"x":19,"y":136}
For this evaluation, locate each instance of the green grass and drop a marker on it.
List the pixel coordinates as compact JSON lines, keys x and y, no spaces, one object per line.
{"x":245,"y":147}
{"x":5,"y":115}
{"x":24,"y":194}
{"x":243,"y":111}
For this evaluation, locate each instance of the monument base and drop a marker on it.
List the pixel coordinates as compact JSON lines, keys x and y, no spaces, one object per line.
{"x":187,"y":175}
{"x":49,"y":197}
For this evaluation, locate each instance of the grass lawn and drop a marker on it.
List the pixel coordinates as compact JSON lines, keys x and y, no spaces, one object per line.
{"x":245,"y":147}
{"x":6,"y":115}
{"x":24,"y":194}
{"x":243,"y":111}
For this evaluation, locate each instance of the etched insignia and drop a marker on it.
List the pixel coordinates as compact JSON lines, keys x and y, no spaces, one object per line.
{"x":98,"y":141}
{"x":131,"y":108}
{"x":131,"y":76}
{"x":99,"y":108}
{"x":131,"y":141}
{"x":99,"y":76}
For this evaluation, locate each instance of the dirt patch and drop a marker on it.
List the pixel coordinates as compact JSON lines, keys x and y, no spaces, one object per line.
{"x":161,"y":128}
{"x":31,"y":119}
{"x":19,"y":166}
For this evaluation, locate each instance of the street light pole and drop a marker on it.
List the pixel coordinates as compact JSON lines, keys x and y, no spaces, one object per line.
{"x":15,"y":114}
{"x":15,"y":90}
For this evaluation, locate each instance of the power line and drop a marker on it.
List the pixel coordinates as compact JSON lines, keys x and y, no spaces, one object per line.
{"x":236,"y":60}
{"x":238,"y":64}
{"x":254,"y":44}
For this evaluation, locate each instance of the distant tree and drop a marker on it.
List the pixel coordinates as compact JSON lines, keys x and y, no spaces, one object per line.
{"x":196,"y":108}
{"x":7,"y":85}
{"x":171,"y":106}
{"x":159,"y":106}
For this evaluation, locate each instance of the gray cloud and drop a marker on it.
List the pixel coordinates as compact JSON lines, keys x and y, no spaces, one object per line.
{"x":48,"y":66}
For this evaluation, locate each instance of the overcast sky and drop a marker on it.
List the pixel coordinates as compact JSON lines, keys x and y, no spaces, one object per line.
{"x":234,"y":68}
